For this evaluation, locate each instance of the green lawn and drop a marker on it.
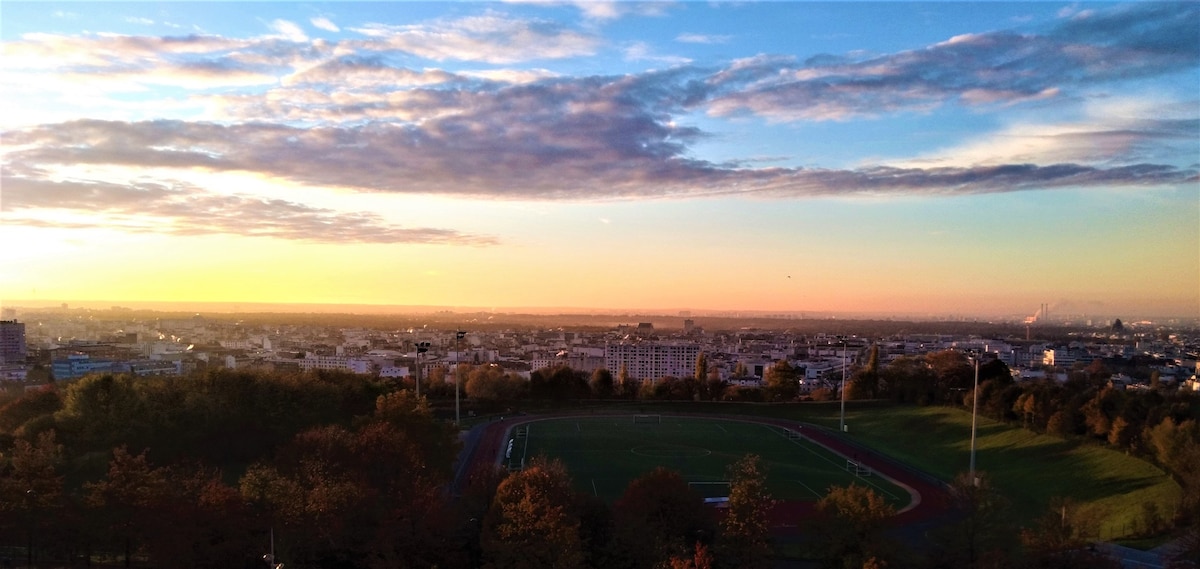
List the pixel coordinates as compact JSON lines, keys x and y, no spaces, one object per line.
{"x":1029,"y":468}
{"x":603,"y":454}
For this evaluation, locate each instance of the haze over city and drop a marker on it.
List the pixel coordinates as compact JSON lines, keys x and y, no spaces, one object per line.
{"x":933,"y":158}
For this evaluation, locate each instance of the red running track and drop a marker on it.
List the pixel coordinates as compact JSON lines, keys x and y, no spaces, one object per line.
{"x":931,"y":496}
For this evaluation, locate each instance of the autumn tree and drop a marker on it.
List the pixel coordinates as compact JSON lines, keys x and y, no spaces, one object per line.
{"x":626,"y":387}
{"x":744,"y":530}
{"x":658,"y":516}
{"x":32,"y":499}
{"x":601,"y":383}
{"x":780,"y":384}
{"x":848,"y":527}
{"x":531,"y":523}
{"x":864,"y":384}
{"x":979,"y":537}
{"x":1059,"y":538}
{"x":127,"y":501}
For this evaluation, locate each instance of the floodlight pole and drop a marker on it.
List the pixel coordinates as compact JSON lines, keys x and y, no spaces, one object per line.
{"x":842,"y":422}
{"x":458,"y":336}
{"x":974,"y":419}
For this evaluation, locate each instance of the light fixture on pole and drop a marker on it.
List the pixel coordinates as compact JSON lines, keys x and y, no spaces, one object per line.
{"x":458,"y":336}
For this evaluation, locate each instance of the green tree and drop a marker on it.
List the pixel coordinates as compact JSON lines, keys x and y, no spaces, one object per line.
{"x":744,"y":529}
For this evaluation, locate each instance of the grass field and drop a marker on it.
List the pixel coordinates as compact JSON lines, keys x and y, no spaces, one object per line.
{"x":1028,"y":468}
{"x":603,"y":454}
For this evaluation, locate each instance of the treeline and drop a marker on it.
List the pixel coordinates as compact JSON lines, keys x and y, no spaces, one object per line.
{"x":340,"y":470}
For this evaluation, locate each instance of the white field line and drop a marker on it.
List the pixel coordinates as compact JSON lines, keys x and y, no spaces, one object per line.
{"x":594,"y":492}
{"x":807,"y":487}
{"x":528,"y":430}
{"x":835,"y":465}
{"x":722,"y":427}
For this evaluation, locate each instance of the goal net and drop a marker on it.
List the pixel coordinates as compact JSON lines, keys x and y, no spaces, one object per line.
{"x":715,"y":493}
{"x":647,"y":419}
{"x":857,"y":468}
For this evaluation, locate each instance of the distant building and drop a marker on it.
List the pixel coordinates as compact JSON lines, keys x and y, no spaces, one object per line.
{"x":76,"y":366}
{"x":652,"y":360}
{"x":12,"y":342}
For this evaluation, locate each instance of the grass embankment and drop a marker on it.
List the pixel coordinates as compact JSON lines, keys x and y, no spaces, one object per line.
{"x":1028,"y":468}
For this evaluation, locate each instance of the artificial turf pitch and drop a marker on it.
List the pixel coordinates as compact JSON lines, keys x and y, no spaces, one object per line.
{"x":604,"y":454}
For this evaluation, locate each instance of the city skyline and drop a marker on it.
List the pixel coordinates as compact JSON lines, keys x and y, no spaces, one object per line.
{"x":940,"y":158}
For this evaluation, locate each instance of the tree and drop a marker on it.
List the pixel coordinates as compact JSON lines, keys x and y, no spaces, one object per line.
{"x":864,"y":384}
{"x":626,"y":388}
{"x":128,"y":499}
{"x":531,"y":523}
{"x":979,"y":537}
{"x":702,"y":367}
{"x":1059,"y":539}
{"x":658,"y":516}
{"x":744,"y":530}
{"x":848,"y":526}
{"x":781,"y":382}
{"x":601,"y":383}
{"x":32,"y":500}
{"x":700,"y":558}
{"x":909,"y":380}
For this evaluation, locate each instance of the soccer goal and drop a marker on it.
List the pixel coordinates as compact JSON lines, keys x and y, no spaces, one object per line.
{"x":715,"y":493}
{"x":858,"y":468}
{"x":647,"y":419}
{"x":794,"y":435}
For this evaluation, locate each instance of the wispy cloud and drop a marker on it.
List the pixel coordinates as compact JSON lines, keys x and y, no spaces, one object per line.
{"x":289,"y":30}
{"x":490,"y":38}
{"x":703,"y":39}
{"x":186,"y":210}
{"x":323,"y":23}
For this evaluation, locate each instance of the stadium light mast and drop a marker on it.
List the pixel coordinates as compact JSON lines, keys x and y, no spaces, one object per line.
{"x":974,"y":415}
{"x":458,"y":336}
{"x":422,"y":347}
{"x":842,"y":422}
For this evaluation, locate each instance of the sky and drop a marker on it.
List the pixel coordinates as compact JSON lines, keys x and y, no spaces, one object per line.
{"x":859,"y":158}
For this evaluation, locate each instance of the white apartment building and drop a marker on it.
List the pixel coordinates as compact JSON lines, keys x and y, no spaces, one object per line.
{"x":652,"y":360}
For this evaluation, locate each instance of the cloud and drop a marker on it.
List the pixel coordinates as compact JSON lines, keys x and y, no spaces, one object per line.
{"x":489,"y":38}
{"x":702,"y":38}
{"x":178,"y":209}
{"x":1112,"y":132}
{"x":323,"y":23}
{"x":585,"y":155}
{"x":641,"y":51}
{"x":288,"y":30}
{"x":1144,"y":40}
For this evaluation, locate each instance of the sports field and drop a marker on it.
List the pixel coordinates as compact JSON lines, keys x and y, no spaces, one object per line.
{"x":603,"y":454}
